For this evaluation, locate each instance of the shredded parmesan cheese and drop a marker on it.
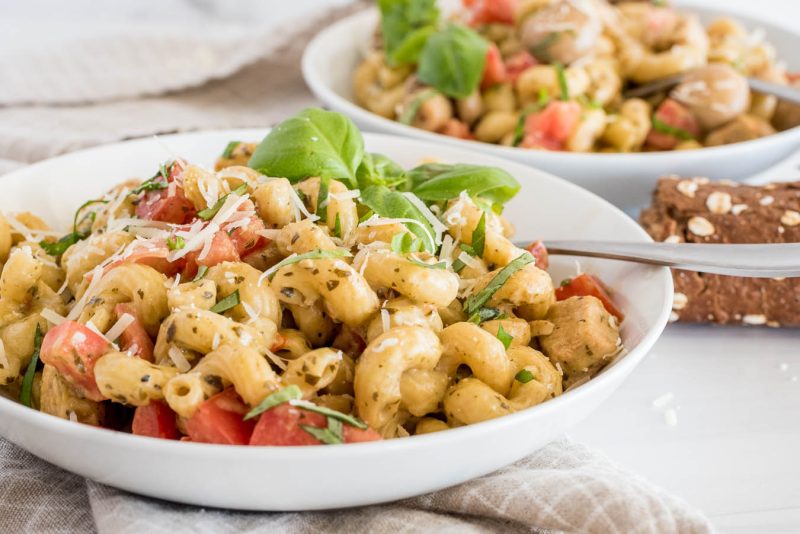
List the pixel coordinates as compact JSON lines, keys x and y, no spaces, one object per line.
{"x":120,"y":326}
{"x":299,"y":208}
{"x":351,"y":194}
{"x":91,"y":289}
{"x":435,"y":223}
{"x":215,"y":341}
{"x":180,"y":361}
{"x":469,"y":261}
{"x":385,"y":320}
{"x":269,"y":233}
{"x":52,"y":316}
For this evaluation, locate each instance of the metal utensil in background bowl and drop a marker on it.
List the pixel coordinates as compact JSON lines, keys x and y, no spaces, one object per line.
{"x":308,"y":478}
{"x":627,"y":180}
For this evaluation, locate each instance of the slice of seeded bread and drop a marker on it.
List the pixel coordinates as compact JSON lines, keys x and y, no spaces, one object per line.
{"x":700,"y":211}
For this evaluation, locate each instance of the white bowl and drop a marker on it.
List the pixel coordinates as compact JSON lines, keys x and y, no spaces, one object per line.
{"x":627,"y":180}
{"x":304,"y":478}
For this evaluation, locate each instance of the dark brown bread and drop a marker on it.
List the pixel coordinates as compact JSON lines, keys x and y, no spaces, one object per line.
{"x":699,"y":211}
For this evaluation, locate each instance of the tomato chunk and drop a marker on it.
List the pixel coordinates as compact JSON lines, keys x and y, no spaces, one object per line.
{"x":247,"y":239}
{"x":281,"y":426}
{"x":222,"y":249}
{"x":494,"y":70}
{"x":73,"y":350}
{"x":488,"y":11}
{"x":539,"y":251}
{"x":220,"y":420}
{"x":551,"y":127}
{"x":160,"y":205}
{"x":155,"y":420}
{"x":677,"y":116}
{"x":585,"y":285}
{"x":135,"y":337}
{"x":519,"y":63}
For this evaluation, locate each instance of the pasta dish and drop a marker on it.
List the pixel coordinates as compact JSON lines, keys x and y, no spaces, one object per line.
{"x":303,"y":292}
{"x":552,"y":75}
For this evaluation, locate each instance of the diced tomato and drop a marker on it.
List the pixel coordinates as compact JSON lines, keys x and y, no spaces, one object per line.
{"x":135,"y":337}
{"x":518,"y":63}
{"x":222,"y":249}
{"x":282,"y":426}
{"x":676,"y":115}
{"x":494,"y":70}
{"x":73,"y":350}
{"x":152,"y":257}
{"x":456,"y":128}
{"x":247,"y":238}
{"x":161,"y":206}
{"x":539,"y":251}
{"x":585,"y":285}
{"x":155,"y":420}
{"x":220,"y":419}
{"x":551,"y":127}
{"x":487,"y":11}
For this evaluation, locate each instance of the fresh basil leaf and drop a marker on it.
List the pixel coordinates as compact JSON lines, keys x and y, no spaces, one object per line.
{"x":439,"y":182}
{"x":410,"y":48}
{"x":311,"y":407}
{"x":563,"y":85}
{"x":175,"y":242}
{"x":316,"y":254}
{"x":337,"y":227}
{"x":452,"y":61}
{"x":663,"y":127}
{"x":328,"y":435}
{"x":208,"y":213}
{"x":467,"y":248}
{"x":394,"y":205}
{"x":411,"y":111}
{"x":227,"y":303}
{"x":377,"y":169}
{"x":229,"y":148}
{"x":479,"y":236}
{"x":477,"y":301}
{"x":274,"y":399}
{"x":524,"y":376}
{"x":400,"y":20}
{"x":504,"y":337}
{"x":405,"y":242}
{"x":201,"y":272}
{"x":26,"y":394}
{"x":314,"y":142}
{"x":486,"y":314}
{"x":322,"y":198}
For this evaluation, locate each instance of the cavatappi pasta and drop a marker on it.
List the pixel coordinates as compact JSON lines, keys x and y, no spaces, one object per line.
{"x":237,"y":307}
{"x":550,"y":75}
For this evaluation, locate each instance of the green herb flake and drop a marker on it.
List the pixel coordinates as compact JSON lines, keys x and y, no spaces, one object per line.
{"x":458,"y":265}
{"x":322,"y":199}
{"x":663,"y":127}
{"x":311,"y":407}
{"x":315,"y":254}
{"x":524,"y":376}
{"x":439,"y":265}
{"x":563,"y":85}
{"x":405,"y":243}
{"x":227,"y":303}
{"x":60,"y":247}
{"x":286,"y":394}
{"x":26,"y":395}
{"x":337,"y":227}
{"x":209,"y":213}
{"x":486,"y":314}
{"x":201,"y":272}
{"x":504,"y":337}
{"x":475,"y":302}
{"x":229,"y":148}
{"x":479,"y":236}
{"x":332,"y":435}
{"x":175,"y":242}
{"x":565,"y":282}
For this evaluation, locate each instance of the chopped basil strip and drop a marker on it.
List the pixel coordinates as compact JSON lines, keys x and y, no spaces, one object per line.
{"x":60,"y":247}
{"x":458,"y":265}
{"x":337,"y":227}
{"x":524,"y":376}
{"x":332,"y":435}
{"x":322,"y":198}
{"x":157,"y":182}
{"x":175,"y":242}
{"x":228,"y":152}
{"x":486,"y":314}
{"x":311,"y":407}
{"x":25,"y":396}
{"x":504,"y":337}
{"x":563,"y":85}
{"x":439,"y":265}
{"x":315,"y":254}
{"x":201,"y":272}
{"x":565,"y":282}
{"x":479,"y":236}
{"x":663,"y":127}
{"x":227,"y":303}
{"x":366,"y":216}
{"x":410,"y":113}
{"x":274,"y":399}
{"x":406,"y":242}
{"x":208,"y":213}
{"x":475,"y":302}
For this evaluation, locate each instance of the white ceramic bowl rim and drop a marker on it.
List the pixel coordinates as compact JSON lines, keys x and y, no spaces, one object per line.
{"x":230,"y":452}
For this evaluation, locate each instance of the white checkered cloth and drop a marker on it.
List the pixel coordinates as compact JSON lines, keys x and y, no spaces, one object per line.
{"x":100,"y":73}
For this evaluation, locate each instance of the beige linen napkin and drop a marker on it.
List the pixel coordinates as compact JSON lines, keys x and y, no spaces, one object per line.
{"x":122,"y":72}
